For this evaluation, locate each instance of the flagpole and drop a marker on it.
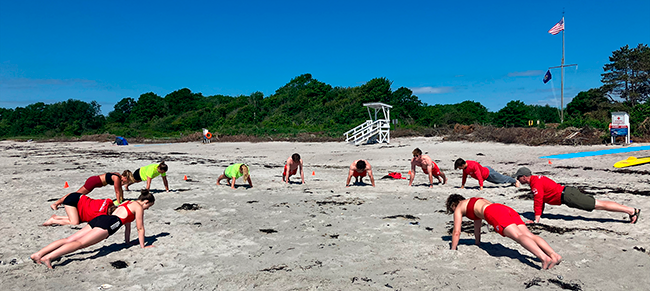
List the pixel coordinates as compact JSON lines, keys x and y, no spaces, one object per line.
{"x":555,"y":30}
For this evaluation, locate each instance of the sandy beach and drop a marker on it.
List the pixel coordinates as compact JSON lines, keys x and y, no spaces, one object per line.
{"x":320,"y":235}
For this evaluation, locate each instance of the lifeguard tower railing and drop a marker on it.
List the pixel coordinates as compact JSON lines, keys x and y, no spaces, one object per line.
{"x":372,"y":129}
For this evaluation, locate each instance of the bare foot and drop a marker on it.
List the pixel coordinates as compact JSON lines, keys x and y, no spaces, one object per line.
{"x":49,"y":221}
{"x":47,"y":263}
{"x":54,"y":206}
{"x":36,"y":258}
{"x":556,"y":259}
{"x":546,"y":262}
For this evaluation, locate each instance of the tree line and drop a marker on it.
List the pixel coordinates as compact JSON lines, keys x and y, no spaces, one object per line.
{"x":308,"y":105}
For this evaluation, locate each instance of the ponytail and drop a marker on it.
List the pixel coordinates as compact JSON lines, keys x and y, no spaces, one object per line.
{"x":163,"y":166}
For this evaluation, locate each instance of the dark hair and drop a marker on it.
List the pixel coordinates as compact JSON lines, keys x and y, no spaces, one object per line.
{"x":361,"y":165}
{"x":111,"y":209}
{"x":295,"y":157}
{"x":452,"y":202}
{"x":163,"y":166}
{"x":417,"y":151}
{"x":145,"y":195}
{"x":459,"y":163}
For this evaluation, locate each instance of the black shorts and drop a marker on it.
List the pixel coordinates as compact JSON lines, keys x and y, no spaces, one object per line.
{"x":108,"y":222}
{"x":136,"y":175}
{"x":574,"y":198}
{"x":72,"y":199}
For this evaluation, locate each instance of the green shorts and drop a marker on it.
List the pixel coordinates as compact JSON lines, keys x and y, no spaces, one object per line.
{"x":574,"y":198}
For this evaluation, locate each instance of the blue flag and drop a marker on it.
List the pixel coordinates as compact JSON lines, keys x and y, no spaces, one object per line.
{"x":547,"y":77}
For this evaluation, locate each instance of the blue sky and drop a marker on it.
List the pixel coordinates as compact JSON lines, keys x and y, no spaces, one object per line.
{"x":447,"y":52}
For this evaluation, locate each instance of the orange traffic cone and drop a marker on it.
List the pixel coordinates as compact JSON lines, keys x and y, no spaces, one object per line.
{"x":410,"y":172}
{"x":66,"y":185}
{"x":549,"y":162}
{"x":185,"y":177}
{"x":313,"y":173}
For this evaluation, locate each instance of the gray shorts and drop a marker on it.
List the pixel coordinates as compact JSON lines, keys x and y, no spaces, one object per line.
{"x":574,"y":198}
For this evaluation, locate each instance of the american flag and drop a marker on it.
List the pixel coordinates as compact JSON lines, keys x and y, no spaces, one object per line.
{"x":557,"y":27}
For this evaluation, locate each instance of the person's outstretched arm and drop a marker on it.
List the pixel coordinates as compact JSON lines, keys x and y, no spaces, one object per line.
{"x":412,"y":174}
{"x":250,"y":182}
{"x":148,"y":183}
{"x":117,"y":184}
{"x":127,"y":233}
{"x":347,"y":183}
{"x":455,"y":235}
{"x":372,"y":177}
{"x":302,"y":173}
{"x":232,"y":182}
{"x":164,"y":178}
{"x":477,"y":231}
{"x":139,"y":223}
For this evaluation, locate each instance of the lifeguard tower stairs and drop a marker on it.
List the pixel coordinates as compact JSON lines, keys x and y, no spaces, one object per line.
{"x":373,"y":129}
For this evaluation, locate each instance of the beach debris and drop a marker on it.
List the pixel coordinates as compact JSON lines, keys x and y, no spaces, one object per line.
{"x":537,"y":228}
{"x":533,"y":282}
{"x":354,"y":201}
{"x":365,"y":279}
{"x":405,"y":216}
{"x":277,"y":268}
{"x":119,"y":264}
{"x":640,"y":249}
{"x":252,"y":201}
{"x":188,"y":206}
{"x":566,"y":286}
{"x":105,"y":286}
{"x":268,"y":230}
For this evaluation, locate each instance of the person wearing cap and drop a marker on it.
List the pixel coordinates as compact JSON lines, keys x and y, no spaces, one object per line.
{"x":482,"y":173}
{"x":547,"y":191}
{"x":235,"y":171}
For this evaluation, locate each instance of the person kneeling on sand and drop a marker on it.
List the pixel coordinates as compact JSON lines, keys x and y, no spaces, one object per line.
{"x":99,"y":229}
{"x":428,"y":167}
{"x":547,"y":191}
{"x":506,"y":222}
{"x":235,"y":171}
{"x":359,"y":169}
{"x":80,"y":209}
{"x":291,"y":168}
{"x":98,"y":181}
{"x":481,"y":173}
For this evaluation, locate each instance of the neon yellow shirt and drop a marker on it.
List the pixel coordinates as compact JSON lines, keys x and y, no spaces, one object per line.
{"x":233,"y":171}
{"x":150,"y":171}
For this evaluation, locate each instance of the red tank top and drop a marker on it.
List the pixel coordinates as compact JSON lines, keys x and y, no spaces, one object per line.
{"x":130,"y":216}
{"x":90,"y":208}
{"x":470,"y":208}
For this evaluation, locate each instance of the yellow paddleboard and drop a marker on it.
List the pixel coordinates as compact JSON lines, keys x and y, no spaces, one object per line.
{"x":632,"y":161}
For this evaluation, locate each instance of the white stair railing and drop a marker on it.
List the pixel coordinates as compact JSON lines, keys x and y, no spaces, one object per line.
{"x":367,"y":130}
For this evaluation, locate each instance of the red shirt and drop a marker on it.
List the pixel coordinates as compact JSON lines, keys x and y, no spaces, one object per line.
{"x":91,"y":208}
{"x":477,"y":172}
{"x":545,"y":191}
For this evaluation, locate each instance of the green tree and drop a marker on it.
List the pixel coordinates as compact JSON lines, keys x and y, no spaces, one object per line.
{"x":122,"y":110}
{"x":515,"y":113}
{"x":627,"y":76}
{"x":148,"y":106}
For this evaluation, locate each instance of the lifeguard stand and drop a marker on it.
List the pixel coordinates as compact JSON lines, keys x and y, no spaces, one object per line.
{"x":620,"y":126}
{"x":377,"y":128}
